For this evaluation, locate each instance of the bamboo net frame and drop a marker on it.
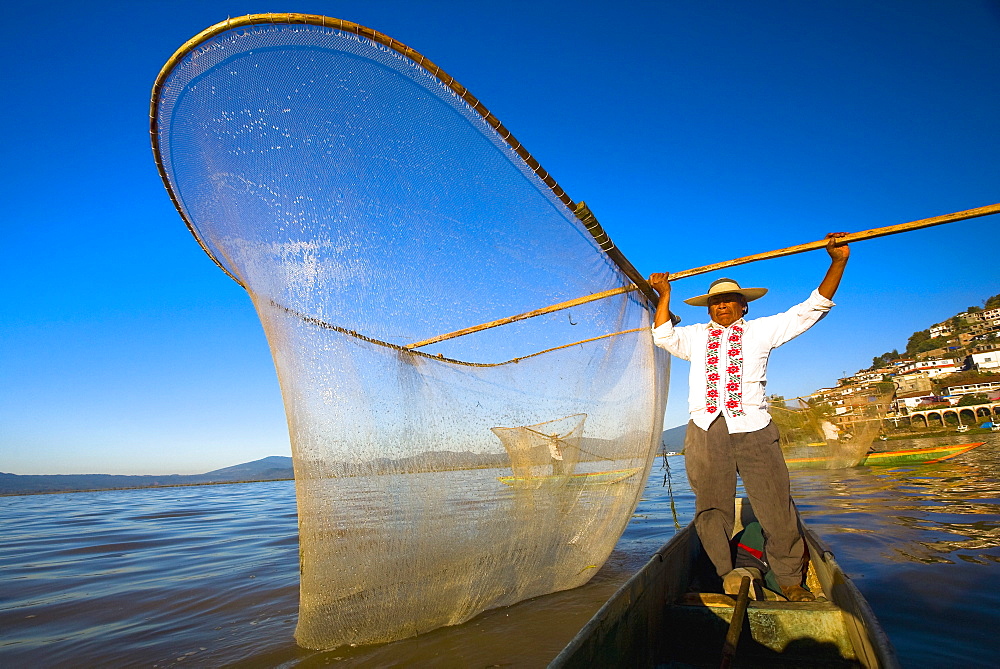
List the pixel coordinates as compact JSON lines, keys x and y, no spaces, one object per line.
{"x":580,"y":209}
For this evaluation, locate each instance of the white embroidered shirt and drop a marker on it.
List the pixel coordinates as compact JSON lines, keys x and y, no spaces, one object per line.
{"x":729,"y":365}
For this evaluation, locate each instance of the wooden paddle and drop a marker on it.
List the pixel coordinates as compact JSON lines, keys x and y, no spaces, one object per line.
{"x":736,"y":624}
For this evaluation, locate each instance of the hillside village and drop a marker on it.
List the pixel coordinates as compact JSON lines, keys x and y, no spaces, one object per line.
{"x":949,"y":376}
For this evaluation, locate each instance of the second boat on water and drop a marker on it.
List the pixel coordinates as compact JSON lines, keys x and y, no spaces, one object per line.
{"x":912,"y":456}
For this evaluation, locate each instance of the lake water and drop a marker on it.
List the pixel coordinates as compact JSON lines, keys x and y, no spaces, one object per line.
{"x":208,"y":576}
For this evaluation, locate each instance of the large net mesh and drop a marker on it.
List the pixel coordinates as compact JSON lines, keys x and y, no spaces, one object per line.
{"x":366,"y":206}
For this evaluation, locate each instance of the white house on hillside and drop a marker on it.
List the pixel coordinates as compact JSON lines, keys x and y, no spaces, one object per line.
{"x":969,"y":388}
{"x":985,"y":360}
{"x":915,"y":399}
{"x":934,"y":367}
{"x":940,"y":329}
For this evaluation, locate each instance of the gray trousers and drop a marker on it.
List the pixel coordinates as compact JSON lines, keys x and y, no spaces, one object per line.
{"x":713,"y":457}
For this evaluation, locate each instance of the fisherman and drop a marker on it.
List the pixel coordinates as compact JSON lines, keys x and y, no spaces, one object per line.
{"x":730,"y":430}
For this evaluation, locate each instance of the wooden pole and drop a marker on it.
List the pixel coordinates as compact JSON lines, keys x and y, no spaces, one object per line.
{"x":851,"y":237}
{"x":791,"y":250}
{"x":520,"y":317}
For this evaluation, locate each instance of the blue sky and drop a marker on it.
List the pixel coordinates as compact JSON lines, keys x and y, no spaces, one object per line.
{"x":696,"y":132}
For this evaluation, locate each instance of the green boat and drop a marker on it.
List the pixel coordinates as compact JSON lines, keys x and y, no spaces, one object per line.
{"x":914,"y":456}
{"x":592,"y":478}
{"x":654,"y":620}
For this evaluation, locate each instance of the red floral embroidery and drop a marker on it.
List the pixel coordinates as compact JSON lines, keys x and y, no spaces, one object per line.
{"x":733,"y":400}
{"x":734,"y":386}
{"x":712,"y":375}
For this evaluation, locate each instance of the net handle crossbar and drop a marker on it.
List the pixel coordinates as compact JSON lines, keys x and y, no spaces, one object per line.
{"x":579,"y":209}
{"x":674,"y":276}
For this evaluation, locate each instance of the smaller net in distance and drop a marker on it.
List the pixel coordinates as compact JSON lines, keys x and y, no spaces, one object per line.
{"x":548,"y":450}
{"x":815,"y":436}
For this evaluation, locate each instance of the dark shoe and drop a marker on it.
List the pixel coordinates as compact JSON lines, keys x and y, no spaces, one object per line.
{"x":796,"y":593}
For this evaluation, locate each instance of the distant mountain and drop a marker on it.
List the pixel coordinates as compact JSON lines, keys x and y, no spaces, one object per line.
{"x":265,"y":469}
{"x":673,"y":438}
{"x":17,"y":484}
{"x":273,"y":468}
{"x":279,"y":467}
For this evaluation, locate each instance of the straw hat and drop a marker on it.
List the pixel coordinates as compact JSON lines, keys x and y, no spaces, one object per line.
{"x":721,"y":286}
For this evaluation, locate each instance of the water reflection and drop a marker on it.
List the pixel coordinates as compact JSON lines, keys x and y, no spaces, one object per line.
{"x":917,"y":540}
{"x":924,"y":509}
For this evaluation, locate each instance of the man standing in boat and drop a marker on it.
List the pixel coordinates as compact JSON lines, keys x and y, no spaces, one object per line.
{"x":730,"y":430}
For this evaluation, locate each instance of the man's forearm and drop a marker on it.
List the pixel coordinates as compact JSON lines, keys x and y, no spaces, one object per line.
{"x":662,"y":309}
{"x":828,"y":286}
{"x":660,"y":282}
{"x":839,"y":253}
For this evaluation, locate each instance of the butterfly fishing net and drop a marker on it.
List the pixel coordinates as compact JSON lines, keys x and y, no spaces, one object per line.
{"x":372,"y":209}
{"x":553,"y":445}
{"x":815,"y":436}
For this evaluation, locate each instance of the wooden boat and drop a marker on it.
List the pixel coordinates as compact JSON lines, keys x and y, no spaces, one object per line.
{"x":589,"y":478}
{"x":653,"y":621}
{"x":914,"y":456}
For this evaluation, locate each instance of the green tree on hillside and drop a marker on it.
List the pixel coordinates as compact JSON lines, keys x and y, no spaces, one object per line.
{"x":971,"y":400}
{"x":916,"y":339}
{"x":884,"y":359}
{"x":922,"y":341}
